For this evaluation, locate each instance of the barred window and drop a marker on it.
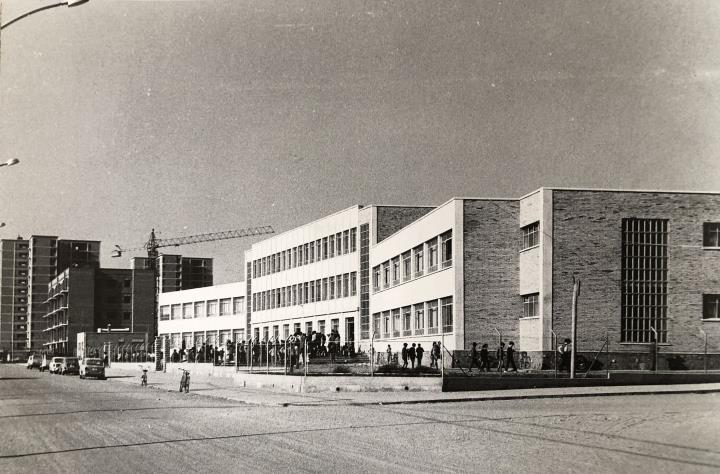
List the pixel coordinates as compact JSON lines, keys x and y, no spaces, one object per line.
{"x":447,"y":314}
{"x":644,"y":280}
{"x":531,"y":235}
{"x":164,"y":313}
{"x":531,"y":306}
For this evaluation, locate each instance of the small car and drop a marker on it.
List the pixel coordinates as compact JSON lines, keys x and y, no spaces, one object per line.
{"x":55,"y":365}
{"x":92,"y":367}
{"x":70,"y":365}
{"x":34,"y":362}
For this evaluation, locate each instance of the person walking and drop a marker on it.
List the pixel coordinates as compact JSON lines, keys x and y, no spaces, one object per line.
{"x":389,"y":354}
{"x":404,"y":355}
{"x":565,"y":352}
{"x":500,"y":355}
{"x":473,"y":357}
{"x":411,"y":355}
{"x":511,"y":357}
{"x":484,"y":358}
{"x":419,"y":352}
{"x":433,"y":356}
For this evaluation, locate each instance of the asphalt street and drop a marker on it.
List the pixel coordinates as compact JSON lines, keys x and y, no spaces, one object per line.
{"x":53,"y":423}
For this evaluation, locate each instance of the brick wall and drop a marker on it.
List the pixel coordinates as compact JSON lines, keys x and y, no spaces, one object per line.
{"x":390,"y":219}
{"x":587,"y":242}
{"x":491,"y":240}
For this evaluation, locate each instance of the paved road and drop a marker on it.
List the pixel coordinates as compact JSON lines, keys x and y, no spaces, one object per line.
{"x":53,"y":423}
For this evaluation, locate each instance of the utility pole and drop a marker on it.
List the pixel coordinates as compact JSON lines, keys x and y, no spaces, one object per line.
{"x":576,"y":292}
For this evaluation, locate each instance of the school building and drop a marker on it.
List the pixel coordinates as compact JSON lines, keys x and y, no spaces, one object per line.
{"x":485,"y":269}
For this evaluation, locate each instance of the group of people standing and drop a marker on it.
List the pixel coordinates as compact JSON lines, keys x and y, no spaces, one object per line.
{"x":414,"y":354}
{"x":505,"y":357}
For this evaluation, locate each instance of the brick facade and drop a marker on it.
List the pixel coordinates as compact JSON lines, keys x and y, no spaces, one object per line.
{"x":587,"y":243}
{"x":390,"y":219}
{"x":491,"y":270}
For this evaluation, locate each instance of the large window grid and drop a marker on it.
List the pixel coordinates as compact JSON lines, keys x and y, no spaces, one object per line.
{"x":334,"y":287}
{"x":644,"y":280}
{"x":531,"y":306}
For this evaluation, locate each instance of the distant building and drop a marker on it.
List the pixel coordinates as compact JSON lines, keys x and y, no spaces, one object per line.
{"x":26,"y":268}
{"x":87,"y":299}
{"x":180,"y":273}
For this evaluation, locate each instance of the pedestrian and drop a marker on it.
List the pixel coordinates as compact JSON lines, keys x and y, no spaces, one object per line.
{"x":411,"y":355}
{"x":500,"y":356}
{"x":419,"y":352}
{"x":484,"y":358}
{"x":565,"y":352}
{"x":473,"y":357}
{"x":433,"y":356}
{"x":404,"y":355}
{"x":511,"y":356}
{"x":389,"y":354}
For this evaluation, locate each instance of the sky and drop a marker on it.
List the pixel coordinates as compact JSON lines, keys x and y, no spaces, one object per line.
{"x":192,"y":116}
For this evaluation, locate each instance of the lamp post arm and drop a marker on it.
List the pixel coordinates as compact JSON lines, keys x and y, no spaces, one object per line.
{"x":24,"y":15}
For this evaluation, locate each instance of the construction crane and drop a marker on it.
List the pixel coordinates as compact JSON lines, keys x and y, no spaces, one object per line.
{"x":153,"y":244}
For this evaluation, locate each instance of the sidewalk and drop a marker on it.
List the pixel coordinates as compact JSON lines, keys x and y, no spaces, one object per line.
{"x":223,"y":387}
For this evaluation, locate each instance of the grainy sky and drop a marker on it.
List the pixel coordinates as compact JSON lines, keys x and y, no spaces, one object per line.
{"x":199,"y":116}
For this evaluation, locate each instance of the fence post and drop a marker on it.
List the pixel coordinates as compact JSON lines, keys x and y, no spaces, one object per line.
{"x":501,"y":365}
{"x":306,"y":356}
{"x":372,"y":354}
{"x":251,"y":355}
{"x":442,"y":360}
{"x":705,"y":364}
{"x":655,"y":363}
{"x":607,"y":353}
{"x":553,"y":343}
{"x":285,"y":356}
{"x":267,"y":356}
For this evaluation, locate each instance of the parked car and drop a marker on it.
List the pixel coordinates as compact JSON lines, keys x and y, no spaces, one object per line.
{"x":55,"y":365}
{"x":70,"y":365}
{"x":92,"y":367}
{"x":34,"y":362}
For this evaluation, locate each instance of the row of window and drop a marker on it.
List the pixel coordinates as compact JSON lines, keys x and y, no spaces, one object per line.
{"x":201,"y":309}
{"x":334,"y":287}
{"x":334,"y":326}
{"x":415,"y":320}
{"x":321,"y":249}
{"x":413,"y":264}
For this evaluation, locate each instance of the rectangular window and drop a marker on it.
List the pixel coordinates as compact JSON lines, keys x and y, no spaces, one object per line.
{"x":418,"y":262}
{"x":531,"y":235}
{"x":306,"y":292}
{"x":338,"y":286}
{"x":531,"y":307}
{"x":331,"y":287}
{"x":321,"y":327}
{"x":376,"y":324}
{"x":212,"y":308}
{"x":395,"y":270}
{"x":432,"y":254}
{"x":175,"y":311}
{"x":276,"y":332}
{"x":406,"y":321}
{"x":301,"y":255}
{"x":711,"y":306}
{"x":338,"y":244}
{"x":312,"y":292}
{"x":387,"y":331}
{"x":199,"y":309}
{"x":311,"y":246}
{"x":353,"y":239}
{"x":346,"y":285}
{"x":238,"y":305}
{"x":294,"y":257}
{"x":432,"y":317}
{"x":406,"y":266}
{"x":266,"y":333}
{"x":386,"y":274}
{"x":225,"y":307}
{"x":346,"y":241}
{"x":294,"y":295}
{"x":447,"y":314}
{"x":286,"y":331}
{"x":331,"y":246}
{"x":644,"y":280}
{"x":308,"y":328}
{"x":353,"y":283}
{"x":711,"y":234}
{"x":318,"y":284}
{"x":318,"y":246}
{"x":419,"y":325}
{"x":164,"y":313}
{"x":376,"y":278}
{"x":335,"y":324}
{"x":296,"y":328}
{"x":397,"y":322}
{"x":324,"y":296}
{"x":187,"y":310}
{"x":446,"y":249}
{"x":283,"y":299}
{"x":325,"y":248}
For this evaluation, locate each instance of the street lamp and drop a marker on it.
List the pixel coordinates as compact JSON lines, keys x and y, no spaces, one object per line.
{"x":11,"y":162}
